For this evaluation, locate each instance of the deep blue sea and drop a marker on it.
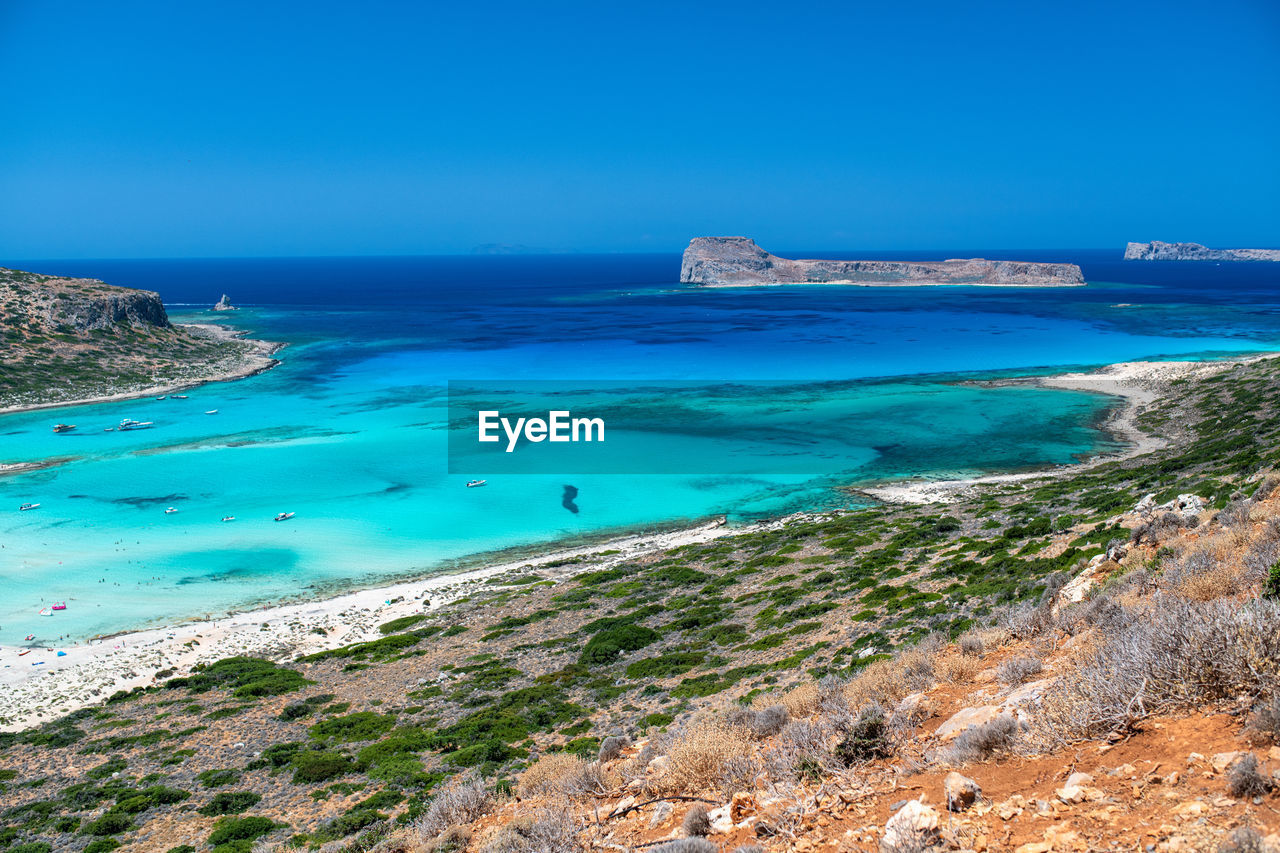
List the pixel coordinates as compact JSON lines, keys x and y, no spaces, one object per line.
{"x":784,"y":394}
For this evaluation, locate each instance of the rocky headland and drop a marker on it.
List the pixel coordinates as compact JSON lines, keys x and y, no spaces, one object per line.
{"x":739,"y":261}
{"x":1158,"y":251}
{"x":71,"y":340}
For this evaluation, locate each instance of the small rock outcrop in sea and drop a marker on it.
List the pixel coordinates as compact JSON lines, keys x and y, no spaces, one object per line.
{"x":224,"y":304}
{"x":1158,"y":251}
{"x":737,"y":261}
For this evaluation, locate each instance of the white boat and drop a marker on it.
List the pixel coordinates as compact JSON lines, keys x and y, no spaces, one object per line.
{"x":170,"y":510}
{"x":46,"y":612}
{"x":212,"y":412}
{"x":228,"y":518}
{"x":63,"y":427}
{"x":179,"y":396}
{"x":26,"y":507}
{"x":129,"y":423}
{"x":284,"y":516}
{"x":159,"y":398}
{"x":471,"y":484}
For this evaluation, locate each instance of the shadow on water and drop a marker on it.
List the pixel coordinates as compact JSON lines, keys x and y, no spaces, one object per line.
{"x":568,"y":500}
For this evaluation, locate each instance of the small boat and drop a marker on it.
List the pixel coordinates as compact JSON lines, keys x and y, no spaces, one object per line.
{"x":170,"y":510}
{"x":284,"y":516}
{"x":129,"y":423}
{"x":29,"y":637}
{"x":228,"y":518}
{"x":63,"y":427}
{"x":212,"y":412}
{"x":179,"y":396}
{"x":159,"y":398}
{"x":108,"y":429}
{"x":46,"y":612}
{"x":59,"y":605}
{"x":26,"y":507}
{"x":24,"y":652}
{"x":471,"y":484}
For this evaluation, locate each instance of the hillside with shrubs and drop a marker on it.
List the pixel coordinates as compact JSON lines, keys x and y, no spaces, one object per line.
{"x":1088,"y":660}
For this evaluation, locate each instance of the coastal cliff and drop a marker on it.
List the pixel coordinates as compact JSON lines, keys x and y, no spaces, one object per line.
{"x":66,"y":340}
{"x":34,"y":302}
{"x":738,"y":261}
{"x":1158,"y":251}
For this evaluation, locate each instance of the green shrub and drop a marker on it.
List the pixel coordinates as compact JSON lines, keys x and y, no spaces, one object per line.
{"x":231,"y":829}
{"x":110,"y":823}
{"x":276,"y":756}
{"x":1272,"y":587}
{"x":98,"y":845}
{"x":608,"y":644}
{"x":311,"y":767}
{"x":362,"y":725}
{"x":244,"y":676}
{"x":401,"y":624}
{"x":217,"y":778}
{"x":665,"y":666}
{"x":296,"y":711}
{"x":230,"y":802}
{"x":868,"y":738}
{"x":102,"y":771}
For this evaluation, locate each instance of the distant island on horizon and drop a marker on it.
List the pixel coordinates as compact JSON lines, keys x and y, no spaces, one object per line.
{"x":1160,"y":251}
{"x":740,"y":261}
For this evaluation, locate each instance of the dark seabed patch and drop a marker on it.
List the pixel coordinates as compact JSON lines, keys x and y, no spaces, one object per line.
{"x":568,"y":500}
{"x":231,"y":565}
{"x":138,"y":502}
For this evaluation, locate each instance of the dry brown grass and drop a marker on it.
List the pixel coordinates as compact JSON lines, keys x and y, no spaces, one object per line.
{"x":696,"y":762}
{"x":958,"y":668}
{"x":1209,"y":570}
{"x":802,"y":700}
{"x":886,"y":682}
{"x":560,"y":773}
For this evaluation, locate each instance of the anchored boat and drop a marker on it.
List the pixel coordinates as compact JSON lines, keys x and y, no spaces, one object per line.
{"x":471,"y":484}
{"x":284,"y":516}
{"x":129,"y":423}
{"x":26,"y":507}
{"x":63,"y":427}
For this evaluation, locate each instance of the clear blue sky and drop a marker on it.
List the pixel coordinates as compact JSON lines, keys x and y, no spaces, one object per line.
{"x":168,"y":129}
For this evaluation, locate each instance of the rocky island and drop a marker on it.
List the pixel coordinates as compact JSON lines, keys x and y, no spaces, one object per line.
{"x":1158,"y":251}
{"x":738,"y":261}
{"x":69,"y":340}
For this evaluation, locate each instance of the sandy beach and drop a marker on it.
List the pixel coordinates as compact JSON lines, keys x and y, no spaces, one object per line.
{"x":40,"y":685}
{"x":1137,"y":383}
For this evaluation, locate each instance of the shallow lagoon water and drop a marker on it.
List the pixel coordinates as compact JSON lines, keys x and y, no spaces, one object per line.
{"x":350,"y":431}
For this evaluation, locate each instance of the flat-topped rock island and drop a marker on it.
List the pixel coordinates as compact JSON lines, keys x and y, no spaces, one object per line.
{"x":1158,"y":251}
{"x":739,"y":261}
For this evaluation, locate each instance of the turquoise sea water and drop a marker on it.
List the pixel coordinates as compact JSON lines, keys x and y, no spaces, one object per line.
{"x":350,"y":432}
